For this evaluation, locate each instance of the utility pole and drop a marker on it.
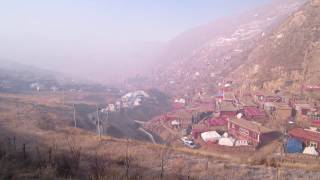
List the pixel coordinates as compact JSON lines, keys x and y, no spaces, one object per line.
{"x":74,"y":116}
{"x":99,"y":130}
{"x":107,"y":123}
{"x":62,"y":96}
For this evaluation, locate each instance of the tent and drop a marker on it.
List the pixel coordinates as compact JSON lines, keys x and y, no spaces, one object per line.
{"x":211,"y":136}
{"x":226,"y":141}
{"x":294,"y":146}
{"x":225,"y":134}
{"x":175,"y":123}
{"x":311,"y":151}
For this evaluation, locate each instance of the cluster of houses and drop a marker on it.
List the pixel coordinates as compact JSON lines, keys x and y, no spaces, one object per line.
{"x":129,"y":100}
{"x":245,"y":120}
{"x":134,"y":98}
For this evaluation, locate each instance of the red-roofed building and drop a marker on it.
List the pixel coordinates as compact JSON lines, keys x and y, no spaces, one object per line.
{"x":221,"y":121}
{"x":267,"y":97}
{"x":253,"y":113}
{"x":247,"y":130}
{"x":170,"y":117}
{"x":309,"y":137}
{"x":301,"y":107}
{"x":316,"y":123}
{"x":312,"y":87}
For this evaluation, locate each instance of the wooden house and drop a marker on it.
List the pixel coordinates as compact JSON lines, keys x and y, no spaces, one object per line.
{"x":300,"y":107}
{"x":253,"y":113}
{"x":227,"y":109}
{"x":242,"y":129}
{"x":267,"y":97}
{"x":309,"y":137}
{"x":283,"y":111}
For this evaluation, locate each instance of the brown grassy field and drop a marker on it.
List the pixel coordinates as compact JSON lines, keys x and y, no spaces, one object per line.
{"x":38,"y":142}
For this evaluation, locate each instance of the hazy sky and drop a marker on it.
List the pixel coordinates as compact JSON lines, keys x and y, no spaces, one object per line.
{"x":55,"y":33}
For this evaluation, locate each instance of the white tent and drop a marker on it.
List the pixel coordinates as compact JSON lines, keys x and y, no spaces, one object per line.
{"x":181,"y":100}
{"x":239,"y":115}
{"x":311,"y":151}
{"x":226,"y":141}
{"x":175,"y":123}
{"x":210,"y":136}
{"x":225,"y":135}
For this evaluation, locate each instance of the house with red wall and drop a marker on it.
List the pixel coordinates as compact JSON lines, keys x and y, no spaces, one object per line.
{"x":253,"y":132}
{"x":300,"y":106}
{"x":267,"y":97}
{"x":253,"y":113}
{"x":308,"y":136}
{"x":228,"y":109}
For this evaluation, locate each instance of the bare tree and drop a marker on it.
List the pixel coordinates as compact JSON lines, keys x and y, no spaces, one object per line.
{"x":98,"y":124}
{"x":127,"y":160}
{"x":63,"y":93}
{"x":164,"y":154}
{"x":74,"y":116}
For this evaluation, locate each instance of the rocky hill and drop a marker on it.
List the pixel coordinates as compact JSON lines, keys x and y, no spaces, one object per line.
{"x":197,"y":59}
{"x":288,"y":58}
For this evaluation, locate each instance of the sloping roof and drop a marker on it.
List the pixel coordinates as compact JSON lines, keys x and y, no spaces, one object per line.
{"x":250,"y":125}
{"x":228,"y":95}
{"x":253,"y":111}
{"x":228,"y":106}
{"x":248,"y":103}
{"x":282,"y":106}
{"x":305,"y":134}
{"x":217,"y":121}
{"x":264,"y":93}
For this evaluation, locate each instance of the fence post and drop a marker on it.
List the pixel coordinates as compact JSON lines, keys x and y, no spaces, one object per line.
{"x":24,"y":151}
{"x":14,"y":143}
{"x":50,"y":155}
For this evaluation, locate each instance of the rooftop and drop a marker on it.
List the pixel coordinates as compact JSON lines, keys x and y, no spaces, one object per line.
{"x":253,"y":111}
{"x":228,"y":96}
{"x":228,"y":106}
{"x":248,"y":102}
{"x":282,"y":106}
{"x":305,"y":134}
{"x":250,"y":125}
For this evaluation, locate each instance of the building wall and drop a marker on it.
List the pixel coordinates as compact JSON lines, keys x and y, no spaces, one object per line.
{"x":284,"y":113}
{"x":307,"y":142}
{"x":243,"y":133}
{"x":228,"y":113}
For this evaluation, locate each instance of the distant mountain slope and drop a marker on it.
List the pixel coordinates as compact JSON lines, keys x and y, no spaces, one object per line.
{"x":197,"y":58}
{"x":16,"y":77}
{"x":289,"y":58}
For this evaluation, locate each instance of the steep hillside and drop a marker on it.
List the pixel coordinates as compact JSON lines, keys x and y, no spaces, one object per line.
{"x":198,"y":58}
{"x":289,"y":58}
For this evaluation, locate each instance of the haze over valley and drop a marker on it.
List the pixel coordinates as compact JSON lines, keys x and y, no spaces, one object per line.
{"x":163,"y":90}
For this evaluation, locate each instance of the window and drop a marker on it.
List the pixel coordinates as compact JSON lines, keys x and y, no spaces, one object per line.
{"x":244,"y":131}
{"x":313,"y":144}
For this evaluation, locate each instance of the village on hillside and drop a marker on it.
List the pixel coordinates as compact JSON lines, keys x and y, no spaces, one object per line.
{"x":241,"y":121}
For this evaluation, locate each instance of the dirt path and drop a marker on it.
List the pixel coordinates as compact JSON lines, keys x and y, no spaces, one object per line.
{"x":148,"y":134}
{"x":168,"y":129}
